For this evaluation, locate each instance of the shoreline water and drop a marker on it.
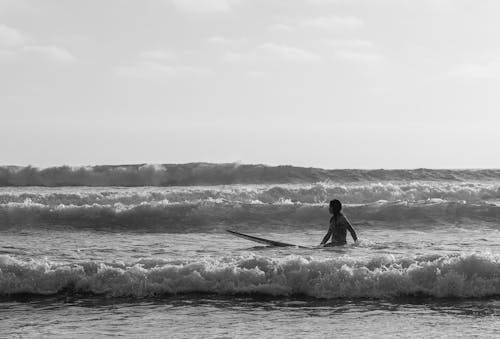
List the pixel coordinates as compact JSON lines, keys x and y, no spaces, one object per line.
{"x":244,"y":317}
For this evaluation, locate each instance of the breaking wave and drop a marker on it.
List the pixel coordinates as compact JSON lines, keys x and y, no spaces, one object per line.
{"x":209,"y":216}
{"x":458,"y":276}
{"x":217,"y":174}
{"x":353,"y":193}
{"x":207,"y":208}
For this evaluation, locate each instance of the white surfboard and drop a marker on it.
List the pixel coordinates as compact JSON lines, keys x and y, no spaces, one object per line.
{"x":264,"y":241}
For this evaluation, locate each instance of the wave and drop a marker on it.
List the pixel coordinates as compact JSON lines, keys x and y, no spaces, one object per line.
{"x":215,"y":215}
{"x":207,"y":208}
{"x":217,"y":174}
{"x":464,"y":276}
{"x":354,"y":193}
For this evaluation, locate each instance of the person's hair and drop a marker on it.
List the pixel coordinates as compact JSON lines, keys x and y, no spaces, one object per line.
{"x":336,"y":206}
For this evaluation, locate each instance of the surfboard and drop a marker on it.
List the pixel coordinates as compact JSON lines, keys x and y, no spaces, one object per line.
{"x":263,"y":241}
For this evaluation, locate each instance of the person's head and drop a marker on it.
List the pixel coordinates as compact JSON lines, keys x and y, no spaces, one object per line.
{"x":335,"y":206}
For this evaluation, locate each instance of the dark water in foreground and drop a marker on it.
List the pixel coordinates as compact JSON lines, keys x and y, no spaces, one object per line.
{"x":211,"y":316}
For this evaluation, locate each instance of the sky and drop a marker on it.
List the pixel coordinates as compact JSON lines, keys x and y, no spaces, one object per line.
{"x":316,"y":83}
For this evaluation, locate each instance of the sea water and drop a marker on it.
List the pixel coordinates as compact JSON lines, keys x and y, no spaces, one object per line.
{"x":155,"y":261}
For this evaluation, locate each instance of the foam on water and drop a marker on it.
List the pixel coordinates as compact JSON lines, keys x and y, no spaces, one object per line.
{"x":352,"y":193}
{"x":205,"y":216}
{"x":202,"y":208}
{"x":458,"y":276}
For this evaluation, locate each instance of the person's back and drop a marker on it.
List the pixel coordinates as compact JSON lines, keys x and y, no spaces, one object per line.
{"x":339,"y":225}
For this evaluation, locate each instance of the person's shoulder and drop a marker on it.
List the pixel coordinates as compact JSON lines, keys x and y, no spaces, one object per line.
{"x":342,"y":218}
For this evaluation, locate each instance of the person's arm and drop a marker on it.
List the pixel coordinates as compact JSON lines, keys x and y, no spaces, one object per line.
{"x":327,"y":236}
{"x":351,"y":230}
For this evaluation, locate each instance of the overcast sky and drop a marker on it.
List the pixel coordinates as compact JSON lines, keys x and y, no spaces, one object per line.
{"x":323,"y":83}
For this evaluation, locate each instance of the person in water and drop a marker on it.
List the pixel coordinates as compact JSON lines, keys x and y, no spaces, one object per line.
{"x":339,"y":225}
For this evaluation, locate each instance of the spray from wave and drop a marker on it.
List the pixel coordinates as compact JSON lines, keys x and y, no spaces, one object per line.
{"x":464,"y":276}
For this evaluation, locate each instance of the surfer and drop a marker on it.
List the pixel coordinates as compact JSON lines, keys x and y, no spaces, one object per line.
{"x":339,"y":225}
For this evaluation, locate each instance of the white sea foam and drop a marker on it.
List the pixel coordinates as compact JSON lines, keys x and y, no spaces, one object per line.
{"x":319,"y":193}
{"x":463,"y":276}
{"x":176,"y":209}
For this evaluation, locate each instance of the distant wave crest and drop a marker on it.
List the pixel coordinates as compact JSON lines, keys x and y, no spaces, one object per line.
{"x":216,"y":174}
{"x":465,"y":276}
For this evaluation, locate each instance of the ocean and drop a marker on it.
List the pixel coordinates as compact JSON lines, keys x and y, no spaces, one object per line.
{"x":142,"y":251}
